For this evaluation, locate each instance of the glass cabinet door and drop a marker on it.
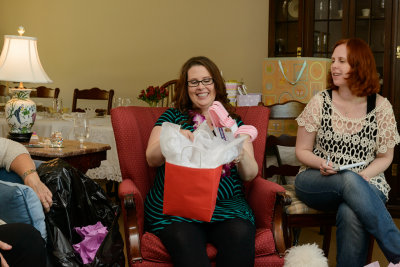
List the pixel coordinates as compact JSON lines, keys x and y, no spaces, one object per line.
{"x":370,"y":26}
{"x":328,"y":18}
{"x":286,"y":27}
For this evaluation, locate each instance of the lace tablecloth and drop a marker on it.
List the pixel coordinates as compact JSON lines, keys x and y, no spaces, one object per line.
{"x":100,"y":132}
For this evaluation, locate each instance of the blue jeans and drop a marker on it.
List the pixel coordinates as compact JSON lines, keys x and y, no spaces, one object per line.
{"x":19,"y":203}
{"x":360,"y":211}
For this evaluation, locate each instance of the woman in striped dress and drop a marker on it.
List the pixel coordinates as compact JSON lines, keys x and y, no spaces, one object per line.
{"x":231,"y":229}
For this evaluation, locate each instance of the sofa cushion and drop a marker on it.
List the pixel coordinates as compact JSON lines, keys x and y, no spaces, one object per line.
{"x":20,"y":204}
{"x":297,"y":206}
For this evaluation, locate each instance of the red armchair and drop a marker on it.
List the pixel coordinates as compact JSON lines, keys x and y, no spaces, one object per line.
{"x":132,"y":127}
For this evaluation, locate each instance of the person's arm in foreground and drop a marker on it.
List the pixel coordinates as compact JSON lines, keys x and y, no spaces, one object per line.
{"x":24,"y":166}
{"x":4,"y":246}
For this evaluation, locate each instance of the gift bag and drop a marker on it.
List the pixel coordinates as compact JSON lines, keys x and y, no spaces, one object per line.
{"x":251,"y":99}
{"x":232,"y":90}
{"x":193,"y":170}
{"x":292,"y":78}
{"x":190,"y":192}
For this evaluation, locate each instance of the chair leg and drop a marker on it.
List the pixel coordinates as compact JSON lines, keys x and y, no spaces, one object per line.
{"x":296,"y":236}
{"x":327,"y":230}
{"x":112,"y":189}
{"x":370,"y":248}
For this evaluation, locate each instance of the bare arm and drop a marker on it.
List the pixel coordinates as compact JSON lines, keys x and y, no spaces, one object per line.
{"x":154,"y":156}
{"x":24,"y":163}
{"x":304,"y":152}
{"x":378,"y":165}
{"x":247,"y":164}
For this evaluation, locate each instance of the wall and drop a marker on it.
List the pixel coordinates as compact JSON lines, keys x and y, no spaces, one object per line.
{"x":128,"y":45}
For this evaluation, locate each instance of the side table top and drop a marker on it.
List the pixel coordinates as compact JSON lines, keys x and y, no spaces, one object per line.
{"x":71,"y":148}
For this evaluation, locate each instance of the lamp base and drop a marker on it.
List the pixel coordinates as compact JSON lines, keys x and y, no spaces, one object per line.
{"x":20,"y":137}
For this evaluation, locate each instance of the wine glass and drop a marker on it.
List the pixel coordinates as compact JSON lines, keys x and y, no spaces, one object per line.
{"x":81,"y":128}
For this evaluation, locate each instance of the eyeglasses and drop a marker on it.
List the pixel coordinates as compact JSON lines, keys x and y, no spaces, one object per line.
{"x":195,"y":83}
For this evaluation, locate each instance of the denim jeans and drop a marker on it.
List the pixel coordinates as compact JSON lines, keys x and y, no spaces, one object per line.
{"x":19,"y":203}
{"x":360,"y":211}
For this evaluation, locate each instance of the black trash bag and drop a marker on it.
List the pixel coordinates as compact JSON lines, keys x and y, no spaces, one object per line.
{"x":78,"y":201}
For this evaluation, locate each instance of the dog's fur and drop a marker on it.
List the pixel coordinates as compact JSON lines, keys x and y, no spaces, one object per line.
{"x":308,"y":255}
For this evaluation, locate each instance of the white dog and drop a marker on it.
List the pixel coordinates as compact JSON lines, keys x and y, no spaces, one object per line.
{"x":308,"y":255}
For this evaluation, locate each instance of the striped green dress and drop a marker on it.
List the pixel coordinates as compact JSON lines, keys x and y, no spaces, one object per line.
{"x":230,"y":199}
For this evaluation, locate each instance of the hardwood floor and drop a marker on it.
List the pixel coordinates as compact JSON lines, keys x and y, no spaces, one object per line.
{"x":311,"y":235}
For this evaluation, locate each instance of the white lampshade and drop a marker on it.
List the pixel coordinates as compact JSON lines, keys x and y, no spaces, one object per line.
{"x":19,"y":61}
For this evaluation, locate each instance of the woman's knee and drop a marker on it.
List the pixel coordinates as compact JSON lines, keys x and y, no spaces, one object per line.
{"x":346,"y":215}
{"x":243,"y":230}
{"x":180,"y":234}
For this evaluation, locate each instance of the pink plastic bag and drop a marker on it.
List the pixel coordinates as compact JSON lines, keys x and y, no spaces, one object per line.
{"x":93,"y":236}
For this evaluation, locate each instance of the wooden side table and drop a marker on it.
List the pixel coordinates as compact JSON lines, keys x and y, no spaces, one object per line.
{"x":81,"y":158}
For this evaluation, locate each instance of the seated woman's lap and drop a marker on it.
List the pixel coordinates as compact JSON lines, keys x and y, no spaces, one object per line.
{"x":234,"y":239}
{"x":326,"y":192}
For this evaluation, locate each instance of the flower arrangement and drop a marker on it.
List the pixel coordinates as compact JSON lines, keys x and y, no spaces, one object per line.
{"x":152,"y":95}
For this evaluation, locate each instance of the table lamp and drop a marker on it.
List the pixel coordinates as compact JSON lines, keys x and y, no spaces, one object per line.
{"x":19,"y":62}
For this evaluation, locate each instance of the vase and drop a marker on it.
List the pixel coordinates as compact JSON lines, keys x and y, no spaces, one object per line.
{"x":153,"y":104}
{"x":20,"y":115}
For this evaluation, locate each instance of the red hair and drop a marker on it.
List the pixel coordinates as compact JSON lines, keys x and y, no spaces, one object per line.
{"x":363,"y":77}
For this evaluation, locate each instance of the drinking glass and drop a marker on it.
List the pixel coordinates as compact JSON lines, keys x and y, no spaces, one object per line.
{"x":57,"y":108}
{"x":81,"y":128}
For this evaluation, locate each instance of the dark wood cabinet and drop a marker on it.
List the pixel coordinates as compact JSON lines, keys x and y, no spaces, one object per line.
{"x":313,"y":27}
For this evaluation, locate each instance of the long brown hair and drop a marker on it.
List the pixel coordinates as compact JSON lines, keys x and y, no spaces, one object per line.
{"x":363,"y":78}
{"x":181,"y":98}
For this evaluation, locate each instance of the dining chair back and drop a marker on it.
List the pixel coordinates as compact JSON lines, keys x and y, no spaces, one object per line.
{"x":93,"y":94}
{"x":3,"y":90}
{"x":170,"y":86}
{"x":132,"y":127}
{"x":45,"y":92}
{"x":297,"y":215}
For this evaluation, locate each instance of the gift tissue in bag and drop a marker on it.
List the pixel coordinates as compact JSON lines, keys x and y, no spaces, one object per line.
{"x":193,"y":171}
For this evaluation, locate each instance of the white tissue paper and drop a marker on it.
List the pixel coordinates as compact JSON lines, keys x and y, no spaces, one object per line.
{"x":206,"y":151}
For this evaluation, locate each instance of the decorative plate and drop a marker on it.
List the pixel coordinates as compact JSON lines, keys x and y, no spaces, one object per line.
{"x":293,"y":8}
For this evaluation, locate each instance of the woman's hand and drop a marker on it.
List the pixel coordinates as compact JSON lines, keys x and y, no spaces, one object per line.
{"x":326,"y":169}
{"x":4,"y":246}
{"x":188,"y":134}
{"x":41,"y":190}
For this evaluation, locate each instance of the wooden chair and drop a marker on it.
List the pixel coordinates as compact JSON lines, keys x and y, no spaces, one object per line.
{"x":93,"y":94}
{"x":132,"y":127}
{"x":45,"y":92}
{"x":3,"y":90}
{"x":170,"y":86}
{"x":297,"y":215}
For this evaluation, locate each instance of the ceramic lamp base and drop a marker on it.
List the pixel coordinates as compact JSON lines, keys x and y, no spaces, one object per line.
{"x":20,"y":114}
{"x":20,"y":137}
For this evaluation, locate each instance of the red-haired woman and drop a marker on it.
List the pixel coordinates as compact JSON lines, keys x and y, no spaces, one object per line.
{"x":348,"y":124}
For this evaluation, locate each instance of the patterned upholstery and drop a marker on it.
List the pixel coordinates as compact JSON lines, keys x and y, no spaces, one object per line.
{"x":132,"y":127}
{"x":297,"y":207}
